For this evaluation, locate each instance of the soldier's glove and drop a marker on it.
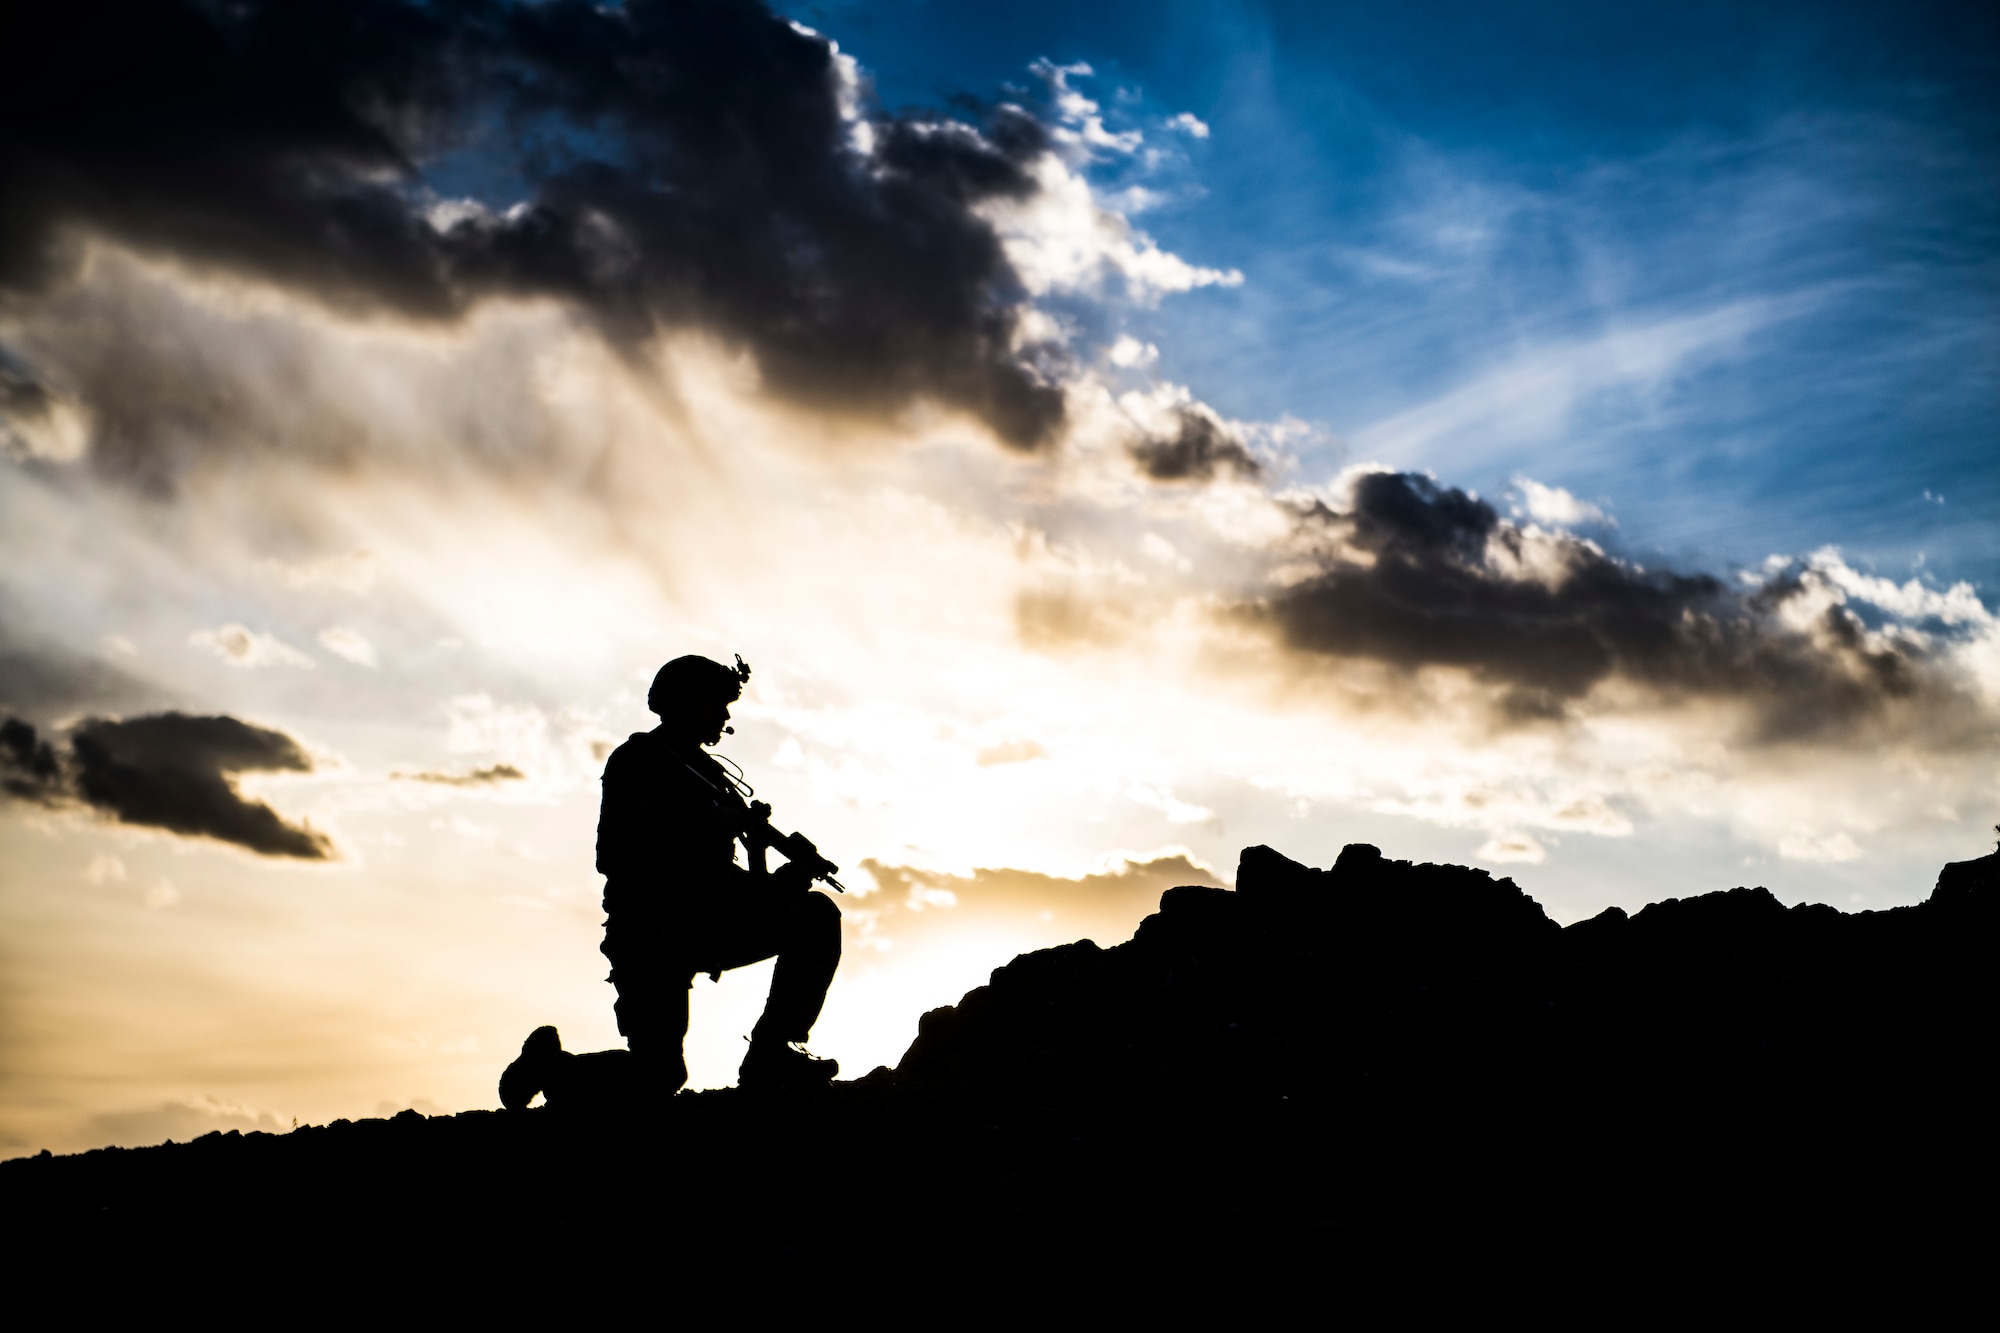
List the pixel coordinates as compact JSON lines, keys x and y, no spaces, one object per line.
{"x":791,"y":877}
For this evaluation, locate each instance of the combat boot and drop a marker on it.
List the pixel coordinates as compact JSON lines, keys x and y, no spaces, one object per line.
{"x":777,"y":1065}
{"x":541,"y":1056}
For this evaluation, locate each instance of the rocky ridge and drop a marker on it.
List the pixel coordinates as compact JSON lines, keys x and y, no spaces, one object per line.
{"x":1355,"y":1074}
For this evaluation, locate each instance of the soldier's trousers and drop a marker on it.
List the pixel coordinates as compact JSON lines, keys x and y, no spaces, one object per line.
{"x":653,"y":975}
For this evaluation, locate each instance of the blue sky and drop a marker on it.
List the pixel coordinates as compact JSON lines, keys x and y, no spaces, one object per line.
{"x":1731,"y":273}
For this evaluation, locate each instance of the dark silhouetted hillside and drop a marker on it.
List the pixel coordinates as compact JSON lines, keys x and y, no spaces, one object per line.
{"x":1396,"y":1090}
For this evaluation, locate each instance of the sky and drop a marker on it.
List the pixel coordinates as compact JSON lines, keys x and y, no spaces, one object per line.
{"x":1550,"y":438}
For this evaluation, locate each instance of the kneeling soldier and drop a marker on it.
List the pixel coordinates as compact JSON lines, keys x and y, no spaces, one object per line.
{"x":678,"y":905}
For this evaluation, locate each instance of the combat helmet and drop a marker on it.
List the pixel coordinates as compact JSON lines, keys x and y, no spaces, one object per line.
{"x":694,"y":679}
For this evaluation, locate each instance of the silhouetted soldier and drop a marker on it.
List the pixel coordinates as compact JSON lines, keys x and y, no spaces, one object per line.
{"x":678,"y":904}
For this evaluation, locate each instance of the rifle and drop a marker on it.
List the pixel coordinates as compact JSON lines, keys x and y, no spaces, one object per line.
{"x":796,"y":848}
{"x":758,"y":834}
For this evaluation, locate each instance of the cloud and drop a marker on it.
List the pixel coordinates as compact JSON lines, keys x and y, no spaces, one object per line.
{"x":35,"y":422}
{"x":1009,"y":752}
{"x":1160,"y":549}
{"x":1200,"y":448}
{"x":1127,"y":888}
{"x":1059,"y":239}
{"x":168,"y":771}
{"x":177,"y":1121}
{"x":175,"y":772}
{"x":501,"y":234}
{"x":1829,"y":848}
{"x":349,"y":644}
{"x":1129,"y":353}
{"x":1055,"y":619}
{"x":29,"y":770}
{"x":1556,"y":507}
{"x":242,"y":647}
{"x":352,"y":571}
{"x":45,"y":679}
{"x":1176,"y":810}
{"x":1174,"y":438}
{"x":1507,"y":848}
{"x":1079,"y":122}
{"x":1189,"y":124}
{"x":1414,"y":574}
{"x":1534,"y":394}
{"x":656,"y":166}
{"x":1956,"y":605}
{"x":491,"y":775}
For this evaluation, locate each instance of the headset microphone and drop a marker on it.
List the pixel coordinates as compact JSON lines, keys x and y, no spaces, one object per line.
{"x":729,"y":731}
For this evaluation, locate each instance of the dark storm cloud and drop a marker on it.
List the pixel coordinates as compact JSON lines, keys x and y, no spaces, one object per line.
{"x":1200,"y":447}
{"x":1415,"y":574}
{"x":168,"y":771}
{"x":28,"y":767}
{"x":659,"y":165}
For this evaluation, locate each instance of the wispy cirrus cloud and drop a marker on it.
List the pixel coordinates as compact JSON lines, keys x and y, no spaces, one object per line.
{"x":1536,"y":395}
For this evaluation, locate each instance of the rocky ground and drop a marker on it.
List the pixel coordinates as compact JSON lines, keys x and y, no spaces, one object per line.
{"x":1383,"y":1090}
